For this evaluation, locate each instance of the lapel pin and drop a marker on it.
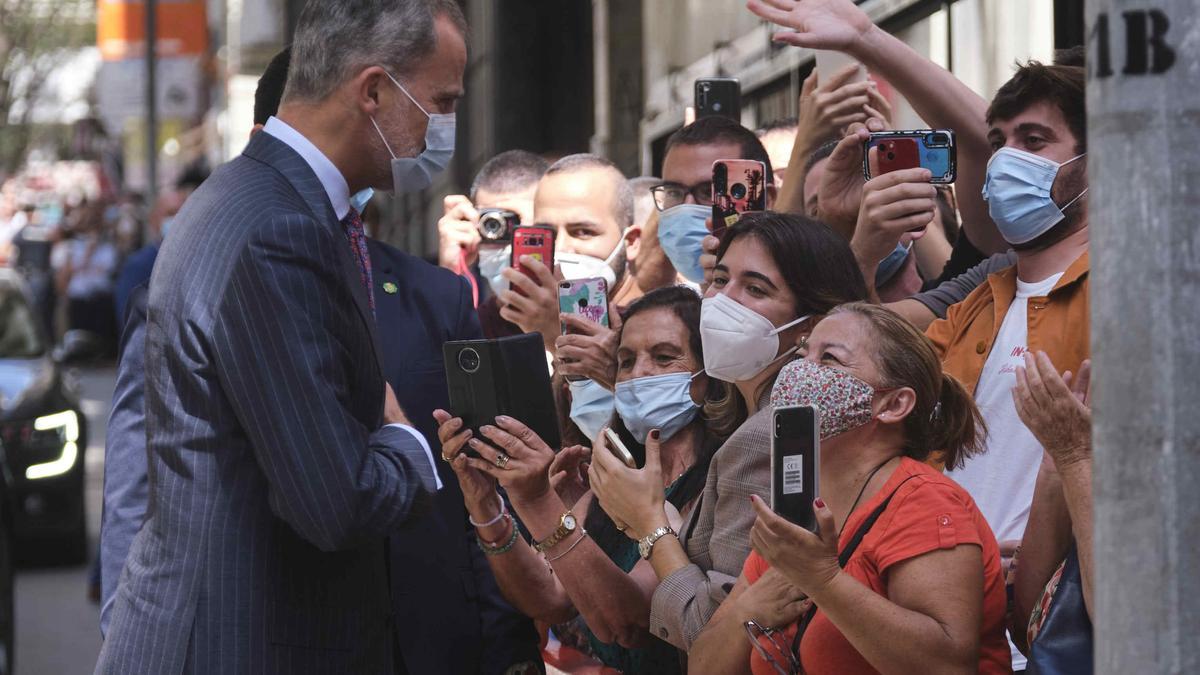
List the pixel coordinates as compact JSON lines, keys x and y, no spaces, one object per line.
{"x":390,"y":288}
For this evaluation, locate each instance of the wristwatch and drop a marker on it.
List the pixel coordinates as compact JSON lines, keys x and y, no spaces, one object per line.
{"x":646,"y":544}
{"x":566,"y":525}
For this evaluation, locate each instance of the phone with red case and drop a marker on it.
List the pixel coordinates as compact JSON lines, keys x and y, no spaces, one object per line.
{"x":931,"y":149}
{"x":738,"y":186}
{"x":535,"y":241}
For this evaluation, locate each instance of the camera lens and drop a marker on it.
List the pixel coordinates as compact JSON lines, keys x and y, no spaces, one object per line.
{"x":468,"y":360}
{"x":491,"y":226}
{"x":738,"y":191}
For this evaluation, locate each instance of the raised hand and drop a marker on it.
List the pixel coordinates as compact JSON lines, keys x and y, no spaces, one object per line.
{"x":479,"y":489}
{"x":590,"y":350}
{"x":516,"y":457}
{"x":892,"y":204}
{"x":457,"y":232}
{"x":569,"y":473}
{"x":535,"y":308}
{"x":837,"y":25}
{"x":633,"y":497}
{"x":808,"y":560}
{"x":1056,"y":413}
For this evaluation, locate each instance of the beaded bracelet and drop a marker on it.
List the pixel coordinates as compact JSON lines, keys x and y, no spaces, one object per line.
{"x":493,"y":521}
{"x":493,"y":549}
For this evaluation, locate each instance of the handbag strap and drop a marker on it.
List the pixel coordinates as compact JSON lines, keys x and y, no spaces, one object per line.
{"x":844,"y":557}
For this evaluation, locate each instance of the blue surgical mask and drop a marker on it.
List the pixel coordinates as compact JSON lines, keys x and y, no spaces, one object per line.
{"x":492,"y":261}
{"x":891,"y":264}
{"x":662,"y":402}
{"x":359,"y":200}
{"x":412,"y":174}
{"x":1017,"y":190}
{"x":164,"y":226}
{"x":591,"y":407}
{"x":681,"y":230}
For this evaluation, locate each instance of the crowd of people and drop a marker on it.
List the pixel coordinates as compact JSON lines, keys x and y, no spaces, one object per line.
{"x":274,"y":497}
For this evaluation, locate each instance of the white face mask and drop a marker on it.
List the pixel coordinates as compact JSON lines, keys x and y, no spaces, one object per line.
{"x":413,"y":174}
{"x":492,"y":261}
{"x":739,"y":343}
{"x":576,"y":266}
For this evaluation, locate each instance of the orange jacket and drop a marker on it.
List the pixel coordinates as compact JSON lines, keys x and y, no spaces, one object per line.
{"x":1058,"y":324}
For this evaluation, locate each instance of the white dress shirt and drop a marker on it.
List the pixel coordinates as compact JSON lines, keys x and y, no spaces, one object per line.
{"x":339,"y":197}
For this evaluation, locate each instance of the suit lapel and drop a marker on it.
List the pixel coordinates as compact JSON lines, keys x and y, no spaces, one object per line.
{"x":270,"y":150}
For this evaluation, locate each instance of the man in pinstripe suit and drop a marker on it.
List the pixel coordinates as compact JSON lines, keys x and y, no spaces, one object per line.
{"x":273,"y":484}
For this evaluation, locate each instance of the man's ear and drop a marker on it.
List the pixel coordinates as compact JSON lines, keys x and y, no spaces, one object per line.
{"x":893,"y":406}
{"x":772,"y":195}
{"x":365,"y":89}
{"x":633,"y":242}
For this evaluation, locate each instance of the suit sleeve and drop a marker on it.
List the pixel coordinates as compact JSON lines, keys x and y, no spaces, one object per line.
{"x":126,"y":487}
{"x":285,"y":365}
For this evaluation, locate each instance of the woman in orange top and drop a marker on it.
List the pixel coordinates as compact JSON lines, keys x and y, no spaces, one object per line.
{"x":919,"y":587}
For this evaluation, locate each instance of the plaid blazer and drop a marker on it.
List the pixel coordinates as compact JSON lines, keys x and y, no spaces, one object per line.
{"x":716,"y":533}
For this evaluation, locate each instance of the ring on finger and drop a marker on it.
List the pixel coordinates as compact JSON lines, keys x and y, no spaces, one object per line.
{"x":447,"y":458}
{"x":501,"y":460}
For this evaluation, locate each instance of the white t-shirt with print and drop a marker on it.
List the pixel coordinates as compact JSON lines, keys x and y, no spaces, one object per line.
{"x":1001,"y":479}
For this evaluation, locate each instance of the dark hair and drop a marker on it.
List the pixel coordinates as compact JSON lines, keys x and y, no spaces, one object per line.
{"x":721,"y":130}
{"x":1061,"y":84}
{"x":270,"y":86}
{"x":944,"y":418}
{"x":816,"y":263}
{"x":511,"y":171}
{"x":824,"y":151}
{"x":781,"y":124}
{"x":685,"y":304}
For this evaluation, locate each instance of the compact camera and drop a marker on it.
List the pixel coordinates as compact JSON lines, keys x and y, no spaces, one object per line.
{"x":496,"y":225}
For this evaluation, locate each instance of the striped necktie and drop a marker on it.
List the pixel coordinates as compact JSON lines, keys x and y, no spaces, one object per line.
{"x":353,"y":226}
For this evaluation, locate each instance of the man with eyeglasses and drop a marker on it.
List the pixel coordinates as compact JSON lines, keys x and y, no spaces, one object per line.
{"x":684,"y":198}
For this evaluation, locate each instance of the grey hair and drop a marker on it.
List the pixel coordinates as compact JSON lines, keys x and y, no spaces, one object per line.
{"x":623,"y":208}
{"x":335,"y":39}
{"x":511,"y":171}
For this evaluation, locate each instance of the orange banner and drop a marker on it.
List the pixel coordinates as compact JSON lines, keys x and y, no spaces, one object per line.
{"x":121,"y":28}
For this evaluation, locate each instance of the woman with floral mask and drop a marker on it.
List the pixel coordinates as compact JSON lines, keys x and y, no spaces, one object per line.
{"x":579,"y":561}
{"x":775,"y":274}
{"x":903,"y":574}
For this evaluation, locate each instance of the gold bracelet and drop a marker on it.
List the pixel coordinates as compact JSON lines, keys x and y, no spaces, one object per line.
{"x":582,"y":535}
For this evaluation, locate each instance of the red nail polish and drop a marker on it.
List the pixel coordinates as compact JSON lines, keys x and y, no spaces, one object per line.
{"x":819,"y":503}
{"x":654,"y":434}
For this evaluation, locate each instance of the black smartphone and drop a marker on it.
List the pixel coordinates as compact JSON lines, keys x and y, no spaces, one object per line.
{"x":504,"y":376}
{"x":720,"y":96}
{"x":795,"y":461}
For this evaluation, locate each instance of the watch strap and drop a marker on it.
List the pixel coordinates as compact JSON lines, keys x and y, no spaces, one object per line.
{"x":555,"y":536}
{"x":646,"y":545}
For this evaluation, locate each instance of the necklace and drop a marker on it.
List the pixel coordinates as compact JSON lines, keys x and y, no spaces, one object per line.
{"x":861,"y":492}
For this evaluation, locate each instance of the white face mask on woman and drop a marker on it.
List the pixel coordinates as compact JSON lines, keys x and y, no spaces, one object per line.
{"x":739,"y":343}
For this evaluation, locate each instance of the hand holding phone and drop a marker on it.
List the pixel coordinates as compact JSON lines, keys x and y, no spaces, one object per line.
{"x":934,"y":150}
{"x":587,"y":298}
{"x":618,"y":449}
{"x":535,"y":241}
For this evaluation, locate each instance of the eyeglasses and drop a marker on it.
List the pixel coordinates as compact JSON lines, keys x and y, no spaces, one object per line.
{"x":782,"y":654}
{"x":668,"y":195}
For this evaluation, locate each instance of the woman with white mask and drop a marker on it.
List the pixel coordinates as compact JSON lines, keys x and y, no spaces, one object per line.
{"x":776,"y":275}
{"x":579,"y":562}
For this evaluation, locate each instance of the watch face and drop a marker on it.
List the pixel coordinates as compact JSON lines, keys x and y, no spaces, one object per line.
{"x":569,"y":522}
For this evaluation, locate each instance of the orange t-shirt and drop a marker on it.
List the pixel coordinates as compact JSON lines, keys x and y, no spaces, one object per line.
{"x":928,"y":513}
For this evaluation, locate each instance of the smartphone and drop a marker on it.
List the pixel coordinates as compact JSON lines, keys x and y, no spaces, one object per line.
{"x":502,"y":376}
{"x":830,"y":63}
{"x":584,"y":297}
{"x":536,"y":241}
{"x":738,"y":186}
{"x":618,"y":449}
{"x":929,"y":148}
{"x":795,"y":462}
{"x":718,"y":96}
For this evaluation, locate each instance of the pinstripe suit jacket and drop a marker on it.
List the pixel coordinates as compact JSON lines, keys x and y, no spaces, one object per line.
{"x":272,"y":487}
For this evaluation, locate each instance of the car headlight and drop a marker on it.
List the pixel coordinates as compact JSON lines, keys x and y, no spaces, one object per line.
{"x":66,"y":425}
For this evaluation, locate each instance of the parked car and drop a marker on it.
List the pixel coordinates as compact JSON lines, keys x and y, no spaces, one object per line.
{"x":43,"y":430}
